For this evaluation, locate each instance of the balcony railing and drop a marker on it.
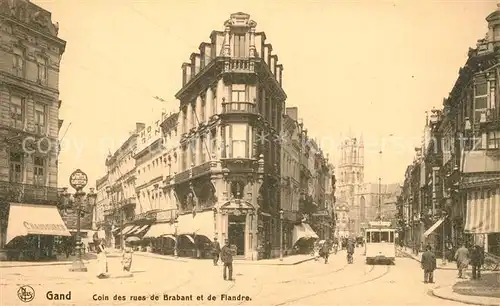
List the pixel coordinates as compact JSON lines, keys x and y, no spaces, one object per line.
{"x":239,"y":65}
{"x":239,"y":107}
{"x":25,"y":193}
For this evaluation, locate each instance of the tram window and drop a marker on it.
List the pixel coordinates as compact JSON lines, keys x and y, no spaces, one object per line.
{"x":384,"y":237}
{"x":368,"y":239}
{"x":375,"y":237}
{"x":391,"y":237}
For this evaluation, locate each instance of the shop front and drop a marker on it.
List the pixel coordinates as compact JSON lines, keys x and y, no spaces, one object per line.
{"x":303,"y":238}
{"x":483,"y":215}
{"x":31,"y":231}
{"x":195,"y":233}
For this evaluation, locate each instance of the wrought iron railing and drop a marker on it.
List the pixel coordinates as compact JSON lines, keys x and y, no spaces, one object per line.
{"x":239,"y":107}
{"x":26,"y":193}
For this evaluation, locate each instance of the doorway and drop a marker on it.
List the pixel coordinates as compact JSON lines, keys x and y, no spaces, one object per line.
{"x":236,"y":233}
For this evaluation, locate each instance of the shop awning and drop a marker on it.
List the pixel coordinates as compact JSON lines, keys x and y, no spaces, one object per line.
{"x":160,"y":229}
{"x":483,"y":212}
{"x":433,"y":227}
{"x":137,"y":230}
{"x":31,"y":219}
{"x":127,"y":229}
{"x":201,"y":224}
{"x":303,"y":231}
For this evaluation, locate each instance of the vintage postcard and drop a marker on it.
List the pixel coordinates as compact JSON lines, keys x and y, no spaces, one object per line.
{"x":277,"y":153}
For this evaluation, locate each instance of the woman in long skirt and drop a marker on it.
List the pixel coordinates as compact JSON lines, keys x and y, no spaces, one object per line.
{"x":127,"y":258}
{"x":102,"y":261}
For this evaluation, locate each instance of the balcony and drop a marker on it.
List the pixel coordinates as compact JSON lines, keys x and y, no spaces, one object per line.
{"x":245,"y":65}
{"x":239,"y":108}
{"x":25,"y":193}
{"x":129,"y":202}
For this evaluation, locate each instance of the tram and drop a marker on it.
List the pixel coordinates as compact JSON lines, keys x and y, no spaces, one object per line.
{"x":380,"y":242}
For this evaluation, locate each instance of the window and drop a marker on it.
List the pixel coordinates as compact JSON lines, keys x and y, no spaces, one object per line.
{"x":42,"y":69}
{"x":203,"y":156}
{"x":16,"y":168}
{"x":40,"y":117}
{"x":239,"y":45}
{"x":238,"y":93}
{"x":18,"y":62}
{"x":184,"y":120}
{"x":39,"y":171}
{"x":239,"y":140}
{"x":193,"y":150}
{"x":494,"y":140}
{"x":202,"y":109}
{"x":213,"y":138}
{"x":17,"y":111}
{"x":480,"y":100}
{"x":214,"y":102}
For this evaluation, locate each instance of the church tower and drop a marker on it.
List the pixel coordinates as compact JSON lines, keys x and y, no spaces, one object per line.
{"x":350,"y":177}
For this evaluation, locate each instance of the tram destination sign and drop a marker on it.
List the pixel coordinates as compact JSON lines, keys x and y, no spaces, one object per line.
{"x":78,"y":179}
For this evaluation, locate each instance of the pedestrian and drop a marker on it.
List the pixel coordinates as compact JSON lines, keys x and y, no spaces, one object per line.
{"x":428,"y":264}
{"x":102,"y":261}
{"x":127,"y":257}
{"x":325,"y":250}
{"x":462,"y":258}
{"x":350,"y":251}
{"x":215,"y":251}
{"x":227,"y":259}
{"x":476,"y":261}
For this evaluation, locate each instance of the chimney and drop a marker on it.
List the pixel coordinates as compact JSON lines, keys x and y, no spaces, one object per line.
{"x":139,"y":126}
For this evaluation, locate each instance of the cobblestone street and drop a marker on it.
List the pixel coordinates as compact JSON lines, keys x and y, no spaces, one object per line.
{"x":310,"y":283}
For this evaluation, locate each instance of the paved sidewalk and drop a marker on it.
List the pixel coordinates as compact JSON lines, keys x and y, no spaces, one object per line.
{"x":287,"y":261}
{"x":408,"y":253}
{"x":62,"y":261}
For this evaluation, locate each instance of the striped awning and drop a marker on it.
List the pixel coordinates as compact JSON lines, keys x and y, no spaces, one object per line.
{"x":483,"y":211}
{"x":433,"y":227}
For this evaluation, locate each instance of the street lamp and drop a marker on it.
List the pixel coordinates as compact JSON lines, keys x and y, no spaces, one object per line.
{"x":78,"y":180}
{"x":214,"y":209}
{"x":281,"y":234}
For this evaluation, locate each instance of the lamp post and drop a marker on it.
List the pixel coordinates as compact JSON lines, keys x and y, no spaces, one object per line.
{"x":114,"y":204}
{"x":214,"y":209}
{"x":281,"y":234}
{"x":78,"y":180}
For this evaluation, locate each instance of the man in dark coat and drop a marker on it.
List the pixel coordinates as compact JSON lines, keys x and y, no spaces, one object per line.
{"x":227,"y":259}
{"x":350,"y":249}
{"x":428,"y":264}
{"x":215,"y":251}
{"x":476,"y":261}
{"x":325,"y":250}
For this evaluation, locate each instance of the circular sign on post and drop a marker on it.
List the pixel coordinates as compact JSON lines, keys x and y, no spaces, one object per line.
{"x":78,"y":179}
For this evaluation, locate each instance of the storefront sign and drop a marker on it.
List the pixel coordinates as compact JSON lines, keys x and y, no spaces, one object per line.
{"x":44,"y":227}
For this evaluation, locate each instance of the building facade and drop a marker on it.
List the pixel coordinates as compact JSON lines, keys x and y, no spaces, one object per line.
{"x":120,"y":188}
{"x":29,"y":96}
{"x":231,"y":102}
{"x":458,"y":172}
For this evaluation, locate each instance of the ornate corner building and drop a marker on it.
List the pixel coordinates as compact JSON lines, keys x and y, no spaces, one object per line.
{"x":29,"y":123}
{"x":231,"y":103}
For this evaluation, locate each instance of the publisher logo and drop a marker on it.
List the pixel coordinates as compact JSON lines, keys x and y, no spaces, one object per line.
{"x":26,"y":293}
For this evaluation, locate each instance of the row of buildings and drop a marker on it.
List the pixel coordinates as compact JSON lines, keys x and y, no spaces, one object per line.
{"x":30,"y":53}
{"x":231,"y":162}
{"x":359,"y":202}
{"x":451,"y":191}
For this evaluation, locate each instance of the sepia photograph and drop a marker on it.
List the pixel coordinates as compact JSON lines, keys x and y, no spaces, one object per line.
{"x":267,"y":153}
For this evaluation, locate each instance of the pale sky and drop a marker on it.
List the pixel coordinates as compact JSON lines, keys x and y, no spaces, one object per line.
{"x":370,"y":67}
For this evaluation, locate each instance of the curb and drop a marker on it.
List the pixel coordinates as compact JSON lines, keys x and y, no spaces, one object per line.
{"x":470,"y":301}
{"x":408,"y":255}
{"x":65,"y":263}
